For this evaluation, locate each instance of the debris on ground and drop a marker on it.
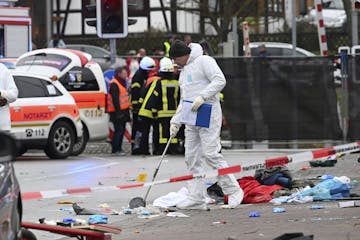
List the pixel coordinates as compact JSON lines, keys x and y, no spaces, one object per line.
{"x":278,"y":210}
{"x":349,"y":204}
{"x":83,"y":211}
{"x":254,"y":214}
{"x":297,"y":236}
{"x":176,"y":214}
{"x":141,"y":177}
{"x":98,"y":219}
{"x":314,"y":207}
{"x":66,"y":202}
{"x":328,"y":162}
{"x":219,"y":222}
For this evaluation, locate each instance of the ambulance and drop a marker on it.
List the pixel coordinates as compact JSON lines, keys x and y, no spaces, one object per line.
{"x":44,"y":116}
{"x":82,"y":78}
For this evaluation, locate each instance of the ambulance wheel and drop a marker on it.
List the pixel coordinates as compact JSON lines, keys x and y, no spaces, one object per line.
{"x":79,"y":146}
{"x":61,"y":141}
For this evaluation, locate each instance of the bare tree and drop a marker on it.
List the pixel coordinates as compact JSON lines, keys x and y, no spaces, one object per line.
{"x":219,"y":13}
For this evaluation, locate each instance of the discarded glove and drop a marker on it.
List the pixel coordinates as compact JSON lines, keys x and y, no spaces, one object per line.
{"x":254,"y":214}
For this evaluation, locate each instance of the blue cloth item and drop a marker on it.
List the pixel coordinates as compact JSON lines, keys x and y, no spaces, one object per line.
{"x":98,"y":219}
{"x":68,"y":220}
{"x":328,"y":189}
{"x":254,"y":214}
{"x":278,"y":210}
{"x":272,"y":179}
{"x":316,"y":207}
{"x":284,"y":182}
{"x":326,"y":176}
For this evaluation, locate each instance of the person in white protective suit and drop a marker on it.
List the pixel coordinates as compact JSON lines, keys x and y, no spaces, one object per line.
{"x":8,"y":94}
{"x":201,"y":81}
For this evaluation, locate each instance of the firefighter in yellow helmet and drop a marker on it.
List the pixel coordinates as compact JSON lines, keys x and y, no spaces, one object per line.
{"x":160,"y":103}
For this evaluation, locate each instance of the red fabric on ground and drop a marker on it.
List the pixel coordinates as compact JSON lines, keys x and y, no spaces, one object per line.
{"x":254,"y":192}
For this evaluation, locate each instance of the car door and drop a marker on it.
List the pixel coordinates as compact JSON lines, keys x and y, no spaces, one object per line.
{"x":34,"y":110}
{"x":90,"y":99}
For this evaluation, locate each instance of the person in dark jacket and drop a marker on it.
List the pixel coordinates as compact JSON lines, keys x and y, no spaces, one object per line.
{"x":137,"y":87}
{"x":160,"y":104}
{"x":118,"y":105}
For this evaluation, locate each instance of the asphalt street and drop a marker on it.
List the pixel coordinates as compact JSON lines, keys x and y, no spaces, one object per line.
{"x":98,"y":168}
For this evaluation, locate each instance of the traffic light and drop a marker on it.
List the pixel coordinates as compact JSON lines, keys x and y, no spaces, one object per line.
{"x":111,"y":18}
{"x":357,"y":5}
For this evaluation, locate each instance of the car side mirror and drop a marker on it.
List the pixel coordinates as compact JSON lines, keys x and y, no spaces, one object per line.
{"x":107,"y":57}
{"x":8,"y":147}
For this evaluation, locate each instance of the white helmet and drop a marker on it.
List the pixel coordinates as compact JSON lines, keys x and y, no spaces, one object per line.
{"x":147,"y":63}
{"x":166,"y":65}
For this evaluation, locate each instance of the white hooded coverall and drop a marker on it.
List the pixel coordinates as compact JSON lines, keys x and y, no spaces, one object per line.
{"x":201,"y":76}
{"x":8,"y":91}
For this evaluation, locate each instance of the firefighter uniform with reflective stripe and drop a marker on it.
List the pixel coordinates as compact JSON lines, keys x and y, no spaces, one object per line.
{"x":118,"y":105}
{"x":137,"y":83}
{"x":147,"y":119}
{"x":161,"y":101}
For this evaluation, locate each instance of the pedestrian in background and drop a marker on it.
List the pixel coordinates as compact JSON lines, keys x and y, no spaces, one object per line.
{"x":140,"y":54}
{"x":167,"y":45}
{"x":8,"y":94}
{"x":118,"y":105}
{"x":187,"y":39}
{"x":137,"y":83}
{"x":262,"y":51}
{"x":132,"y":64}
{"x":201,"y":81}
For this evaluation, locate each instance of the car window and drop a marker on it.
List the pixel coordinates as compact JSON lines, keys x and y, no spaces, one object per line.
{"x":80,"y":79}
{"x":35,"y":87}
{"x":274,"y":51}
{"x":96,"y":53}
{"x":43,"y":59}
{"x":289,"y":52}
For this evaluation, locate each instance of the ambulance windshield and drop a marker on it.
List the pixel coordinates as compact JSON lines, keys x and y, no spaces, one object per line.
{"x":50,"y":60}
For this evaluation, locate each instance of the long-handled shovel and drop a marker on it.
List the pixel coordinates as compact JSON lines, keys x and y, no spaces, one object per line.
{"x":141,"y":202}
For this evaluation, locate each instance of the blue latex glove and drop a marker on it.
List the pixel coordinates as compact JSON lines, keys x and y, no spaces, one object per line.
{"x":98,"y":219}
{"x":254,"y":214}
{"x":278,"y":210}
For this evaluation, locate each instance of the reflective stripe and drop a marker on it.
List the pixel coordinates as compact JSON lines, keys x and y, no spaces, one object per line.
{"x":30,"y":125}
{"x":150,"y":80}
{"x":165,"y":114}
{"x":165,"y":84}
{"x":143,"y":111}
{"x":123,"y":98}
{"x":164,"y":140}
{"x":135,"y":84}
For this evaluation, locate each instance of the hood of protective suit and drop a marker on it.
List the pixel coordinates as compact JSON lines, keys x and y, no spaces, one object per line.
{"x":196,"y":51}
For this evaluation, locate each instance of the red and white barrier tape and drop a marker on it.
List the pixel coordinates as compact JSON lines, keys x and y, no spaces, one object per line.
{"x":267,"y":163}
{"x":321,"y":28}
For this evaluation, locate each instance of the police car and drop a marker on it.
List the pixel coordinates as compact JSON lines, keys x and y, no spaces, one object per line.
{"x":83,"y":79}
{"x":44,"y":116}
